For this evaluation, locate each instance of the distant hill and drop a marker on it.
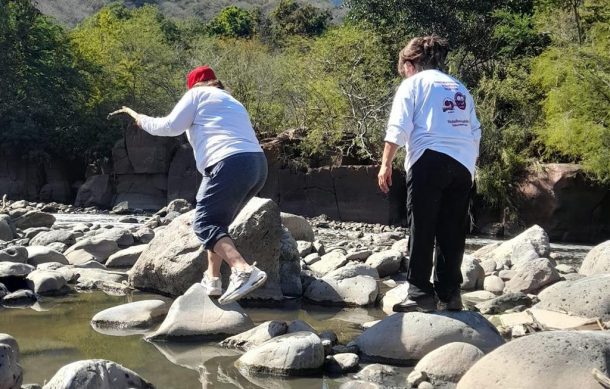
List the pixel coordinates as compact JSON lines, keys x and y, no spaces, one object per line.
{"x":71,"y":12}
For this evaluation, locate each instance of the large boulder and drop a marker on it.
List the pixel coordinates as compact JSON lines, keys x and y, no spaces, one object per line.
{"x":586,"y":297}
{"x":597,"y":260}
{"x":290,"y":266}
{"x":66,"y":237}
{"x":175,"y":258}
{"x":517,"y":249}
{"x":126,"y":257}
{"x":96,"y":374}
{"x":139,"y":314}
{"x":256,"y":336}
{"x":448,"y":363}
{"x":14,"y":269}
{"x":34,"y":219}
{"x":183,"y":179}
{"x":473,"y":275}
{"x":97,"y":191}
{"x":38,"y":255}
{"x":11,"y":373}
{"x":299,"y":353}
{"x":46,"y":281}
{"x":196,"y":315}
{"x":352,"y":285}
{"x":298,"y":226}
{"x":531,"y":276}
{"x":386,"y":262}
{"x":91,"y":249}
{"x":559,"y":360}
{"x":15,"y":254}
{"x":329,"y":262}
{"x":122,"y":237}
{"x":405,"y":338}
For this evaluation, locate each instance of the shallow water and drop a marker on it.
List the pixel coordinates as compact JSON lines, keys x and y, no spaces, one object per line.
{"x":58,"y":331}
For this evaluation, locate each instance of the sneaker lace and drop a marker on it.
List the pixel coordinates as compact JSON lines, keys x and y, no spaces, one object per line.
{"x":239,"y":276}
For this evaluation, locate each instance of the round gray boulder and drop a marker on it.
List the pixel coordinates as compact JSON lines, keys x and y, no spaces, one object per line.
{"x":449,"y":363}
{"x":299,"y":227}
{"x":15,"y":254}
{"x":96,"y":374}
{"x":473,"y":274}
{"x":597,"y":260}
{"x":531,"y":276}
{"x":385,"y":262}
{"x":38,"y":255}
{"x":139,"y":314}
{"x":256,"y":336}
{"x":46,"y":238}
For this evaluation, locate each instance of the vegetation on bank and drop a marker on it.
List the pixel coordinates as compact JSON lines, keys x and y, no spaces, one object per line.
{"x":539,"y":71}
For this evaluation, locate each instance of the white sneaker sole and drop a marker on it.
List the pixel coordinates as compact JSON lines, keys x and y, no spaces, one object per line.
{"x":252,"y":284}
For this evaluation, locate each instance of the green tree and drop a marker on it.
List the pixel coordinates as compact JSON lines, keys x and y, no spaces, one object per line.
{"x":233,"y":22}
{"x":292,"y":18}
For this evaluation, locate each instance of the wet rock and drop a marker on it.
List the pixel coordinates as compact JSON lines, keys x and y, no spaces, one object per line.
{"x":341,"y":363}
{"x":34,"y":219}
{"x":555,"y":359}
{"x":473,"y":274}
{"x":531,"y":276}
{"x":404,"y":338}
{"x":394,"y":296}
{"x":16,"y":254}
{"x":94,"y":274}
{"x":66,"y":237}
{"x":46,"y":282}
{"x":386,"y":262}
{"x":382,"y":375}
{"x":329,"y":262}
{"x":13,"y":269}
{"x":299,"y":326}
{"x":586,"y":297}
{"x":350,"y":285}
{"x":290,"y":266}
{"x":504,"y":303}
{"x":139,"y":314}
{"x":195,"y":315}
{"x":256,"y":336}
{"x":493,"y":284}
{"x":300,"y":353}
{"x":597,"y":261}
{"x":11,"y":373}
{"x":126,"y":257}
{"x":298,"y":226}
{"x":175,"y":258}
{"x":96,"y":374}
{"x":22,"y":297}
{"x":448,"y":363}
{"x":38,"y":255}
{"x":95,"y":248}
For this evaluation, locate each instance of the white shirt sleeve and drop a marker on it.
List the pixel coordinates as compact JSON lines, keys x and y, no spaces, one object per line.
{"x":475,"y":126}
{"x":400,"y":123}
{"x":178,"y":121}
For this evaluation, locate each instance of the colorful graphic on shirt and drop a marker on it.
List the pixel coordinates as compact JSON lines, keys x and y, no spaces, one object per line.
{"x":448,"y":105}
{"x":460,"y":101}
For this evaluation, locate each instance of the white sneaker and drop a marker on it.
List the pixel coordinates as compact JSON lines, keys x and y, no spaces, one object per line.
{"x":212,"y":285}
{"x":243,"y":282}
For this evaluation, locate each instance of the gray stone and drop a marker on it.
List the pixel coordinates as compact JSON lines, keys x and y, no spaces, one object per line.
{"x":298,"y":226}
{"x":489,"y":266}
{"x":46,"y":281}
{"x":448,"y":363}
{"x":472,"y":273}
{"x":290,"y":266}
{"x":359,"y":385}
{"x":318,"y":246}
{"x":91,"y":249}
{"x":179,"y":205}
{"x":565,"y":269}
{"x":30,"y":233}
{"x":504,"y":303}
{"x":493,"y":284}
{"x":342,"y":363}
{"x":386,"y":262}
{"x":385,"y":375}
{"x":96,"y":374}
{"x":121,"y":236}
{"x":22,"y":297}
{"x":300,"y":353}
{"x":59,"y":247}
{"x":35,"y":219}
{"x":472,"y":298}
{"x":394,"y":296}
{"x":96,"y":191}
{"x":352,"y":285}
{"x":534,"y":237}
{"x":299,"y":326}
{"x":11,"y":342}
{"x":94,"y":275}
{"x":531,"y":276}
{"x":556,"y":359}
{"x":312,"y":258}
{"x":358,"y":255}
{"x":416,"y":377}
{"x":256,"y":336}
{"x":15,"y":254}
{"x":404,"y":338}
{"x":402,"y":246}
{"x":6,"y":232}
{"x":175,"y":258}
{"x":506,"y":275}
{"x":139,"y":314}
{"x":3,"y":291}
{"x":62,"y":236}
{"x":195,"y":315}
{"x":14,"y":269}
{"x":38,"y":255}
{"x":143,"y":235}
{"x":587,"y":297}
{"x":305,"y":248}
{"x":11,"y":374}
{"x":126,"y":257}
{"x":597,"y":261}
{"x":329,"y":262}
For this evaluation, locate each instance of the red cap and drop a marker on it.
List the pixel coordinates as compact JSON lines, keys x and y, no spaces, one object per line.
{"x":199,"y":74}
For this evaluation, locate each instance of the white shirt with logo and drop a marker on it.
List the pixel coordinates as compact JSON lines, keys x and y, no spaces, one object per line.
{"x":432,"y":110}
{"x":217,"y":125}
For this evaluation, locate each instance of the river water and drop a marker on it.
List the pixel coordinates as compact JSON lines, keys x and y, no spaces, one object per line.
{"x":57,"y":331}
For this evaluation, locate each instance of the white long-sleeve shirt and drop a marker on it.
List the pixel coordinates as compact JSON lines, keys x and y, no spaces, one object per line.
{"x":432,"y":110}
{"x":217,"y":125}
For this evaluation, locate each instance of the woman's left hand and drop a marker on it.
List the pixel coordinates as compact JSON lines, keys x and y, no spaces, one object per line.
{"x":126,"y":110}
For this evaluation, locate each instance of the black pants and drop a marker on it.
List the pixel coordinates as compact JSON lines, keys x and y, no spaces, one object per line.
{"x":438,"y":189}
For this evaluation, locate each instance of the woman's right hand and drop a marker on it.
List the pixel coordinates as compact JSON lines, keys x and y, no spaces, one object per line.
{"x":384,"y":178}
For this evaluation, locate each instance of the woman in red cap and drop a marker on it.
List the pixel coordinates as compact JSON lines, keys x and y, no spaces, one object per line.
{"x":234,"y":169}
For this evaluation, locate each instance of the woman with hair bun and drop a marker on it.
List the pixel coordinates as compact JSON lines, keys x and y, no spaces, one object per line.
{"x":233,"y":166}
{"x":433,"y":116}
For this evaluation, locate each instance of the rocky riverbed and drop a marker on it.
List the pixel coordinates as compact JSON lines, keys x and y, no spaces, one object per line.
{"x":119,"y":294}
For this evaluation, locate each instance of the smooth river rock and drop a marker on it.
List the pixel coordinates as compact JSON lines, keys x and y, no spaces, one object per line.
{"x":126,"y":257}
{"x":256,"y":336}
{"x":299,"y":353}
{"x":37,"y":255}
{"x":96,"y":374}
{"x":91,"y":249}
{"x":15,"y":254}
{"x":299,"y":227}
{"x":329,"y":262}
{"x":139,"y":314}
{"x":512,"y":251}
{"x":66,"y":237}
{"x":405,"y":338}
{"x":531,"y":276}
{"x":46,"y":281}
{"x":597,"y":261}
{"x":34,"y":219}
{"x":14,"y":269}
{"x":195,"y":315}
{"x":558,"y":360}
{"x":386,"y":262}
{"x":473,"y":275}
{"x":352,"y":285}
{"x":448,"y":363}
{"x":11,"y":373}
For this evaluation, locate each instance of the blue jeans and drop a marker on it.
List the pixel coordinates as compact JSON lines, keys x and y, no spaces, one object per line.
{"x":226,"y":188}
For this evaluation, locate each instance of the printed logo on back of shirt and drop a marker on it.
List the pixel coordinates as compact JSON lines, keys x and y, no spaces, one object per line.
{"x":458,"y":100}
